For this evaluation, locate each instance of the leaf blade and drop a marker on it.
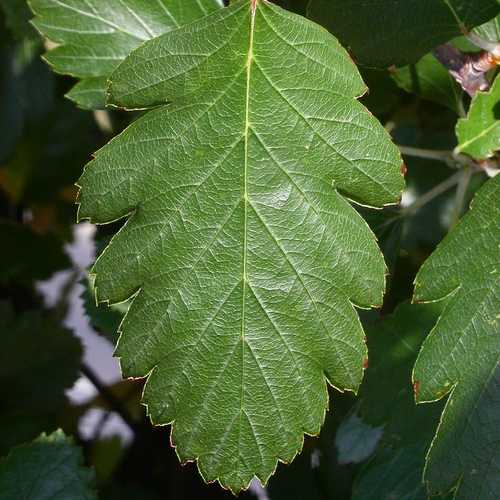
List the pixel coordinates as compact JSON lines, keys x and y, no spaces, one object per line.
{"x":93,"y":37}
{"x":461,"y":355}
{"x":479,"y":134}
{"x":50,"y":467}
{"x":239,"y":290}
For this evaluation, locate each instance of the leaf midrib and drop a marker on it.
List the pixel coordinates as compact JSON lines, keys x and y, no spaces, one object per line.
{"x":249,"y":62}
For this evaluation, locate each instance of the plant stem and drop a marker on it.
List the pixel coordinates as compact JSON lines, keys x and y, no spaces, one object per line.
{"x":451,"y":158}
{"x":463,"y":184}
{"x":114,"y":403}
{"x":433,"y":193}
{"x":430,"y":154}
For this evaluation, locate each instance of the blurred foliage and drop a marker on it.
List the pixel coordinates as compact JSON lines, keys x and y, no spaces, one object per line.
{"x":38,"y":361}
{"x":45,"y":142}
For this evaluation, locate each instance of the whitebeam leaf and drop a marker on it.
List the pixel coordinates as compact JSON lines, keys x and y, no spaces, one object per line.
{"x":245,"y":257}
{"x":94,"y":36}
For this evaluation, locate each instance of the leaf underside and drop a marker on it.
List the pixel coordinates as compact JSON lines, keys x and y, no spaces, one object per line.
{"x":381,"y":33}
{"x":461,"y":355}
{"x":245,"y":256}
{"x":95,"y":36}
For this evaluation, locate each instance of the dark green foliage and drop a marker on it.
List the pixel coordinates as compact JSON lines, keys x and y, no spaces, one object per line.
{"x":39,"y":360}
{"x":49,"y":468}
{"x":235,"y":153}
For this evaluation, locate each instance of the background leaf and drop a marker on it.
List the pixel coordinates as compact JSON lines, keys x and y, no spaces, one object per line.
{"x":38,"y":361}
{"x":387,"y":402}
{"x":93,"y":36}
{"x":400,"y":32}
{"x":15,"y":258}
{"x":429,"y":79}
{"x":461,"y":355}
{"x":51,"y":467}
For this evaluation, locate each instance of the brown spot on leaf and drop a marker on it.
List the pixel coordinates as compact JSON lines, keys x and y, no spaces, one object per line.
{"x":416,"y":388}
{"x":365,"y":363}
{"x":404,"y":169}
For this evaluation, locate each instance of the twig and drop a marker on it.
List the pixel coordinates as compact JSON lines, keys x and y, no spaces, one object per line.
{"x":469,"y":70}
{"x":114,"y":403}
{"x":463,"y":184}
{"x":431,"y":154}
{"x":430,"y":195}
{"x":451,"y":158}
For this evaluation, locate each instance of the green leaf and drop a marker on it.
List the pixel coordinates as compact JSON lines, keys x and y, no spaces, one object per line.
{"x":104,"y":319}
{"x":386,"y":401}
{"x":393,"y":474}
{"x":93,"y":36}
{"x":49,"y":468}
{"x":490,"y":30}
{"x":461,"y":355}
{"x":244,"y":253}
{"x":479,"y":134}
{"x":429,"y":79}
{"x":38,"y":361}
{"x":355,"y":440}
{"x":400,"y":32}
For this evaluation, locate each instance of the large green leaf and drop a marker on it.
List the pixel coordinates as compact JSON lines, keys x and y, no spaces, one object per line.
{"x":38,"y":361}
{"x":245,"y":254}
{"x":479,"y":134}
{"x":94,"y":36}
{"x":385,"y":32}
{"x":49,"y":468}
{"x":461,"y":355}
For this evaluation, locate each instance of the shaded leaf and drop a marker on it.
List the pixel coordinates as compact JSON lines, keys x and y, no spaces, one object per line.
{"x":93,"y":36}
{"x":402,"y":31}
{"x":479,"y":134}
{"x":17,"y":256}
{"x":489,"y":31}
{"x":38,"y":361}
{"x":27,"y":93}
{"x":461,"y":355}
{"x":49,"y":468}
{"x":355,"y":440}
{"x":429,"y":79}
{"x":239,"y":243}
{"x":386,"y":401}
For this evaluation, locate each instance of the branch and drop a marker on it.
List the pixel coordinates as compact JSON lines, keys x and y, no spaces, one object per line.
{"x":114,"y":403}
{"x":433,"y":193}
{"x":451,"y":158}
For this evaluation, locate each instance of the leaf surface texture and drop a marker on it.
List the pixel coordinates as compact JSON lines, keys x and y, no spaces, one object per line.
{"x":461,"y":355}
{"x":243,"y":250}
{"x":94,"y":36}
